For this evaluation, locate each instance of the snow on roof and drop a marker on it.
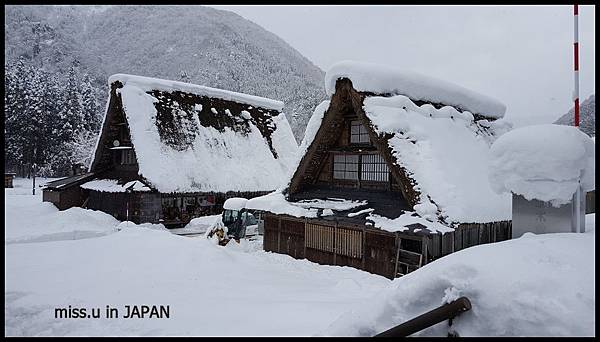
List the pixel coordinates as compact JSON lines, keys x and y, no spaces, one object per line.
{"x":380,"y":79}
{"x":213,"y":158}
{"x":235,"y":203}
{"x":445,"y":153}
{"x":400,"y":223}
{"x":544,"y":162}
{"x":310,"y":133}
{"x":111,"y":185}
{"x":149,"y":84}
{"x":276,"y":203}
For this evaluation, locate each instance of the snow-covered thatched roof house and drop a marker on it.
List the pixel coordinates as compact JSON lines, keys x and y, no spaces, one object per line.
{"x":186,"y":148}
{"x":395,"y":151}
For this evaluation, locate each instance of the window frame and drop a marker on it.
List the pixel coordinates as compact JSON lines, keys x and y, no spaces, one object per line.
{"x":361,"y":132}
{"x":369,"y":167}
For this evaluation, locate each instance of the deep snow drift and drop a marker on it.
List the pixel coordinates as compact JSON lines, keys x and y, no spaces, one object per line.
{"x":536,"y":285}
{"x":543,"y":162}
{"x":28,"y":219}
{"x":211,"y":290}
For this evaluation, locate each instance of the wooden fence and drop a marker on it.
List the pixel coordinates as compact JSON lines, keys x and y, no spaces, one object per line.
{"x":390,"y":254}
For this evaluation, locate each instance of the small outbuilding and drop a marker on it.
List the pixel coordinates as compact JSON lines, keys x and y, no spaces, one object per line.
{"x":171,"y":151}
{"x":543,"y":166}
{"x":8,"y":179}
{"x":392,"y":174}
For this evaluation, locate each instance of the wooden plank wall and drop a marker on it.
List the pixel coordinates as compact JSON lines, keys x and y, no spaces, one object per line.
{"x":373,"y":250}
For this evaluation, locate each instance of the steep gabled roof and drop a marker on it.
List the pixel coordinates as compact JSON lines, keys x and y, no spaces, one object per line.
{"x":190,"y":138}
{"x":438,"y":154}
{"x":382,"y":79}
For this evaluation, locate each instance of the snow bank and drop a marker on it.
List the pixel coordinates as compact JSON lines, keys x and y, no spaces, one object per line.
{"x":205,"y":286}
{"x":111,"y":185}
{"x":382,"y":79}
{"x":543,"y":162}
{"x":216,"y":161}
{"x":28,"y":219}
{"x":536,"y":285}
{"x":446,"y":153}
{"x":149,"y":84}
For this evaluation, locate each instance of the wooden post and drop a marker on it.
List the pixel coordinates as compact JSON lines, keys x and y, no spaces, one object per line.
{"x":305,"y":235}
{"x":335,"y":233}
{"x":397,"y":256}
{"x":364,"y":247}
{"x":279,"y":235}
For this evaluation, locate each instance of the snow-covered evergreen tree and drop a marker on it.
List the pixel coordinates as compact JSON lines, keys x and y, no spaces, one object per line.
{"x":71,"y":116}
{"x":90,"y":107}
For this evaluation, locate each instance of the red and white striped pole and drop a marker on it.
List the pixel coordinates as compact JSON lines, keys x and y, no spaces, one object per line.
{"x":579,"y":225}
{"x":576,"y":63}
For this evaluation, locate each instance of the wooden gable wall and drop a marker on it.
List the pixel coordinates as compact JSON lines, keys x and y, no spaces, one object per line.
{"x":315,"y":168}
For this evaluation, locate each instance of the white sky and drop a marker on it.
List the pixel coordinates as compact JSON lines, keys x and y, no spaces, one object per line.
{"x":521,"y":55}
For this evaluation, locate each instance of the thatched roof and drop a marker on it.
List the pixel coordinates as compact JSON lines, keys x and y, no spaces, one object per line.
{"x":191,"y":138}
{"x":438,"y":154}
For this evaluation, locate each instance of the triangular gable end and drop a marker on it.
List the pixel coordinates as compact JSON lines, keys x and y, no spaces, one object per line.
{"x":346,"y":99}
{"x":104,"y":155}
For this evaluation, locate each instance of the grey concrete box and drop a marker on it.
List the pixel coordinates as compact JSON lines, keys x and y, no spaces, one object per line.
{"x":541,"y":217}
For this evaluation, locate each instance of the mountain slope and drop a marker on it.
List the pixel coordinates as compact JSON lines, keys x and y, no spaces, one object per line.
{"x":587,"y":116}
{"x":195,"y":44}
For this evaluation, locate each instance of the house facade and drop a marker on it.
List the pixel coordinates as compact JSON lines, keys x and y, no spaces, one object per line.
{"x":171,"y":151}
{"x":390,"y":177}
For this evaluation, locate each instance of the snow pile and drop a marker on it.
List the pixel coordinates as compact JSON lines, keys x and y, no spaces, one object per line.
{"x":543,"y":162}
{"x":216,"y":161}
{"x":382,"y":79}
{"x":536,"y":285}
{"x":28,"y":219}
{"x":446,"y":153}
{"x":149,"y":84}
{"x":111,"y":185}
{"x":204,"y":285}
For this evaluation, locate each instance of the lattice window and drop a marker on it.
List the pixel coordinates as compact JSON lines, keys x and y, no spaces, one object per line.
{"x":127,"y":157}
{"x":345,"y":166}
{"x":374,"y":168}
{"x":358,"y":133}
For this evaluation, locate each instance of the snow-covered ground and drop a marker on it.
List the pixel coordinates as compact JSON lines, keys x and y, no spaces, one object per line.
{"x":28,"y":219}
{"x":534,"y":285}
{"x":211,"y":290}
